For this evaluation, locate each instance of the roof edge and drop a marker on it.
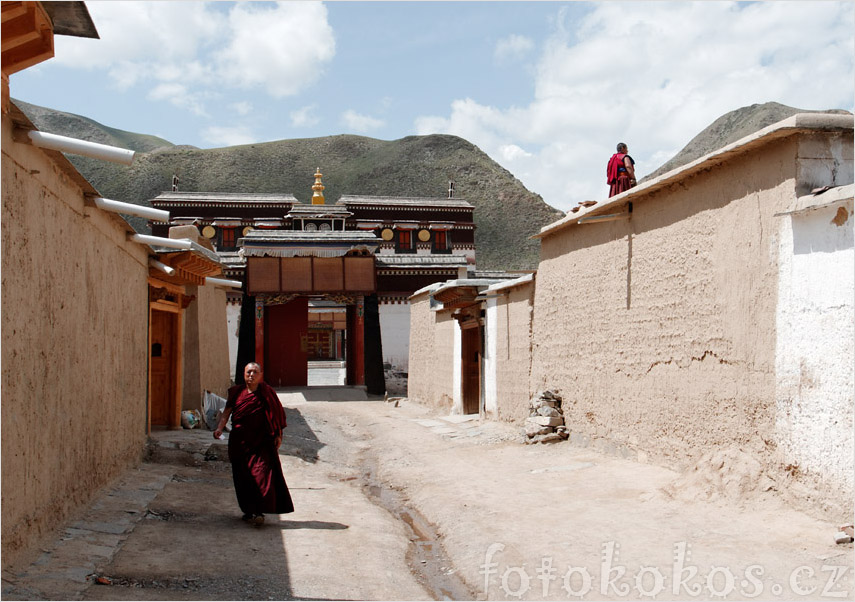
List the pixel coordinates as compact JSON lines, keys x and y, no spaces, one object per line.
{"x":800,"y":122}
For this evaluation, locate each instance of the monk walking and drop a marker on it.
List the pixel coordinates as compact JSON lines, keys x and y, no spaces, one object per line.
{"x":257,"y":423}
{"x":620,"y":172}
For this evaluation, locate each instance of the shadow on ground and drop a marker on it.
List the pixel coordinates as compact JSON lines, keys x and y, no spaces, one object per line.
{"x":299,"y":440}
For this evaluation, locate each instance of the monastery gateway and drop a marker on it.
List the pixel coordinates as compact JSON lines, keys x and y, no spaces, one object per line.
{"x":327,"y":282}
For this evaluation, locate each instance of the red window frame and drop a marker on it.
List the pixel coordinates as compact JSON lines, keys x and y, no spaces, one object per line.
{"x":228,"y":238}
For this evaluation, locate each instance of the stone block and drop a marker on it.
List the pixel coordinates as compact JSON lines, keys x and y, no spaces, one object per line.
{"x":546,"y":420}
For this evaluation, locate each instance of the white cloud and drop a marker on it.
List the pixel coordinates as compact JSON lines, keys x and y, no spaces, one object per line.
{"x":228,"y":136}
{"x":178,"y":95}
{"x":242,"y":108}
{"x":511,"y":152}
{"x":360,"y":123}
{"x":513,"y":47}
{"x":280,"y":49}
{"x":304,"y":116}
{"x":654,"y":75}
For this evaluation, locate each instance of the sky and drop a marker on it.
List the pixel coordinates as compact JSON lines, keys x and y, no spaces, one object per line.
{"x":546,"y":89}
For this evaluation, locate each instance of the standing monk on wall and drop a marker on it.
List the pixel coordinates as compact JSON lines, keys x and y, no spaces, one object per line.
{"x":257,"y":423}
{"x":620,"y":173}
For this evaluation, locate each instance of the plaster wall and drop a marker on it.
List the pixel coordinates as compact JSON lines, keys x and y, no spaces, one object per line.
{"x":74,"y":348}
{"x":395,"y":332}
{"x":431,"y":374}
{"x":206,"y":361}
{"x":513,"y":352}
{"x":233,"y":321}
{"x":491,"y":326}
{"x":659,"y":331}
{"x":815,"y":347}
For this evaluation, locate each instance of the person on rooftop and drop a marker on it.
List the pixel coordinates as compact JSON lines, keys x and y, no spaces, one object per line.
{"x":620,"y":172}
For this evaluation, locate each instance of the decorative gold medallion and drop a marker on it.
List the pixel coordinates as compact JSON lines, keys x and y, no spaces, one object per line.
{"x":424,"y":235}
{"x":387,"y":234}
{"x":209,"y":231}
{"x":247,"y":230}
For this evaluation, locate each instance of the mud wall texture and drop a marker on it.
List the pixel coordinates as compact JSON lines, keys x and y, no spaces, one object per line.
{"x":74,"y":347}
{"x":660,"y":331}
{"x":206,"y":346}
{"x":513,"y":352}
{"x":431,"y":376}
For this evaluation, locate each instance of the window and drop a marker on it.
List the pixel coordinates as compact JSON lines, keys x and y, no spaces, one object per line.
{"x":405,"y":241}
{"x":440,"y":241}
{"x":228,"y":238}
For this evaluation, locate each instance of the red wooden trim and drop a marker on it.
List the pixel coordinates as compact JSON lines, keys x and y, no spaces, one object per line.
{"x":259,"y":333}
{"x":359,"y":342}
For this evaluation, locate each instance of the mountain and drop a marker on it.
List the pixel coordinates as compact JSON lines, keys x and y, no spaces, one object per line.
{"x":506,"y":213}
{"x":730,"y":127}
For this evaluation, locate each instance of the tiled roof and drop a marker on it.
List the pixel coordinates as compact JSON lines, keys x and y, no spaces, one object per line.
{"x":237,"y":198}
{"x":427,"y":202}
{"x":421,"y":261}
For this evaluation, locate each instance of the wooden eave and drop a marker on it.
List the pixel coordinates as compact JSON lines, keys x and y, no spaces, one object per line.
{"x":456,"y":297}
{"x":190,"y":268}
{"x":27,"y":35}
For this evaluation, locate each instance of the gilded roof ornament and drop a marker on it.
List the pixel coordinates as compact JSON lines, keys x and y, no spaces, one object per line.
{"x":318,"y":195}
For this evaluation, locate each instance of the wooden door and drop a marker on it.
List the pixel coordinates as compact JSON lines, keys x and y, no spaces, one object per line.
{"x":471,"y":368}
{"x":286,"y":330}
{"x":163,"y":352}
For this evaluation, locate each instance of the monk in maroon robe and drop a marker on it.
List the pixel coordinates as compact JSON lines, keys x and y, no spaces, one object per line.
{"x":620,"y":172}
{"x":257,"y":422}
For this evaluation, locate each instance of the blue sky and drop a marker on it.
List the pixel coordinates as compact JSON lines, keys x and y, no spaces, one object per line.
{"x":545,"y":88}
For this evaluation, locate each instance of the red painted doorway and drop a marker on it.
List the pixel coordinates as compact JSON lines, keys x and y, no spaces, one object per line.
{"x":286,"y":329}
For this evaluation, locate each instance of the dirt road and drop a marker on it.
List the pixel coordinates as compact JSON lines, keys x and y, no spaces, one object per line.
{"x":394,"y":503}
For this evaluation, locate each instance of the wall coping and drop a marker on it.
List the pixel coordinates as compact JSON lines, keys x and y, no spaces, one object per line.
{"x":796,"y":124}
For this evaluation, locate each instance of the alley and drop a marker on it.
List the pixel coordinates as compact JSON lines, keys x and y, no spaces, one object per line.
{"x":394,"y":502}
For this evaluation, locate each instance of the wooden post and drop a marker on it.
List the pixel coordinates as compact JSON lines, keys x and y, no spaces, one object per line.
{"x":259,"y":332}
{"x":359,"y":342}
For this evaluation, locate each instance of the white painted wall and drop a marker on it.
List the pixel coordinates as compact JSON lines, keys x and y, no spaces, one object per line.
{"x":233,"y":319}
{"x":491,"y":333}
{"x":395,"y":334}
{"x":457,"y":380}
{"x":816,"y":343}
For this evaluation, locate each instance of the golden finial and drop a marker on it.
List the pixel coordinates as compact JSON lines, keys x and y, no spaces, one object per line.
{"x":318,"y":196}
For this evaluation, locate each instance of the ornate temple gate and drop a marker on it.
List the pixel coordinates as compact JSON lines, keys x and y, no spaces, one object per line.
{"x":282,"y":286}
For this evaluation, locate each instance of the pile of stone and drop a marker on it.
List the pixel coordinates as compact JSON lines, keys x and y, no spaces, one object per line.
{"x":545,"y":423}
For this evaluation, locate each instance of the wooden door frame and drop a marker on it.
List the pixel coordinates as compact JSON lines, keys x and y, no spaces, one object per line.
{"x":177,"y":374}
{"x":468,"y":328}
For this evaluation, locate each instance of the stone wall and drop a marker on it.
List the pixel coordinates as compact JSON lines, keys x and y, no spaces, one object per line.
{"x":431,"y":376}
{"x":74,"y":347}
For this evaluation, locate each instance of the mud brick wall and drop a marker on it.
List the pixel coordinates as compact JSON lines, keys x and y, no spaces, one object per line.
{"x":432,"y":358}
{"x":513,"y":352}
{"x":660,"y":331}
{"x":74,"y":347}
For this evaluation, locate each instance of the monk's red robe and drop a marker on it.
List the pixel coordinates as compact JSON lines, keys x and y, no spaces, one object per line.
{"x":257,"y":417}
{"x":617,"y":176}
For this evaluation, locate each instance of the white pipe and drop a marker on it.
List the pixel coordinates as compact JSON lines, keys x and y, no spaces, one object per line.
{"x":173,"y":243}
{"x":157,"y":215}
{"x":224,"y":282}
{"x":161,"y":266}
{"x":81,"y":147}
